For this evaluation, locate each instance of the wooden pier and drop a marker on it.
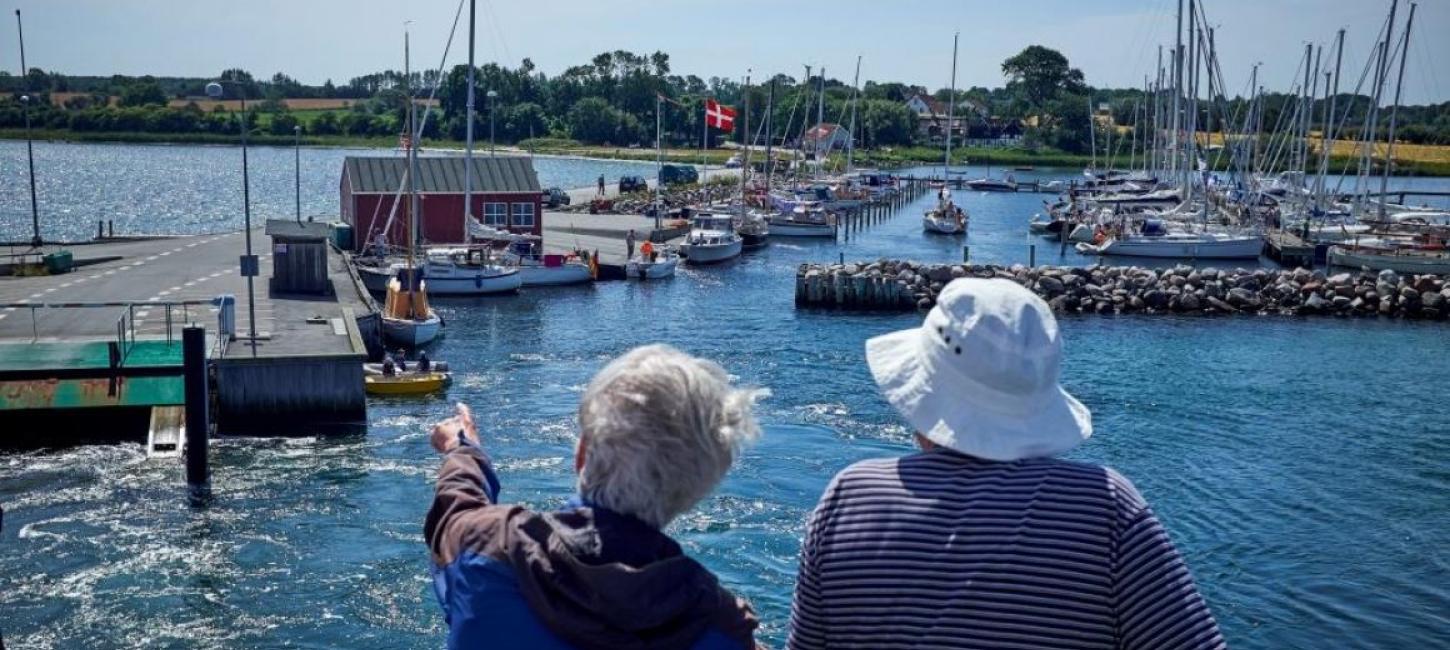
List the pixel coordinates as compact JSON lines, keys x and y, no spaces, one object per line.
{"x":1288,"y":249}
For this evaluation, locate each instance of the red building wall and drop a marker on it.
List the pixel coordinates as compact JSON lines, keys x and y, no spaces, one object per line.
{"x":440,"y":215}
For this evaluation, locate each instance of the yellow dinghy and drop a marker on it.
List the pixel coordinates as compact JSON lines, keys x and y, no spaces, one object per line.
{"x":412,"y":383}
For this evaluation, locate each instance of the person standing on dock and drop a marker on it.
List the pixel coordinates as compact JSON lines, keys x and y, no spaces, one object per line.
{"x":983,"y":539}
{"x":601,"y":185}
{"x":658,"y":431}
{"x":629,"y":245}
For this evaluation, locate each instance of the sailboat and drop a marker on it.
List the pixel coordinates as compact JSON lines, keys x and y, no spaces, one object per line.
{"x":407,"y":318}
{"x":947,"y":218}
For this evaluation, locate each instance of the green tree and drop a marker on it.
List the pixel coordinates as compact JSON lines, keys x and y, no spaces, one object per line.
{"x":282,"y":124}
{"x":594,"y":120}
{"x":324,"y":124}
{"x":1040,"y":74}
{"x":145,"y":92}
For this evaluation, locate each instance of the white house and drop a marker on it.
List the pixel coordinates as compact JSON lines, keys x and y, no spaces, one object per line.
{"x":825,"y":137}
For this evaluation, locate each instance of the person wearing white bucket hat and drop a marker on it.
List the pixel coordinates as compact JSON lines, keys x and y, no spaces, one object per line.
{"x":984,"y":539}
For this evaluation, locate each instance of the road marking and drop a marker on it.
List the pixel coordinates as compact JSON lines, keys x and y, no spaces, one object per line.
{"x":66,"y":284}
{"x":154,"y":299}
{"x":94,"y":276}
{"x":35,"y":295}
{"x":176,"y":288}
{"x":192,"y":245}
{"x":164,"y":253}
{"x":50,"y":290}
{"x":218,"y":273}
{"x":163,"y":293}
{"x":142,"y":314}
{"x":21,"y":301}
{"x":2,"y":316}
{"x":152,"y":258}
{"x":110,"y":272}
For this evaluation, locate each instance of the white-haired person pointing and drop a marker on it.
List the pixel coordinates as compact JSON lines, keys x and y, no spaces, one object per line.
{"x":983,"y":539}
{"x":658,"y":431}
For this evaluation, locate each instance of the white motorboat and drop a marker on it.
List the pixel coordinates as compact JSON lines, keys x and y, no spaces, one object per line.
{"x":1198,"y":245}
{"x":1399,"y":260}
{"x":992,"y":185}
{"x":468,"y":271}
{"x":807,"y":219}
{"x":657,"y":264}
{"x":711,"y":239}
{"x":547,"y":269}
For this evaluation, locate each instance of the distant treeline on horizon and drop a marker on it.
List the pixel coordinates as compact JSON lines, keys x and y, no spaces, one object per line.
{"x":612,"y":99}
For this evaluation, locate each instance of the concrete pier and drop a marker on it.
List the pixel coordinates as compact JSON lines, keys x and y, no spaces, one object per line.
{"x":305,"y":365}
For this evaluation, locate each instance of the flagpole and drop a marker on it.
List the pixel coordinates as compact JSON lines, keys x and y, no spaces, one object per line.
{"x":745,"y":168}
{"x":704,"y":145}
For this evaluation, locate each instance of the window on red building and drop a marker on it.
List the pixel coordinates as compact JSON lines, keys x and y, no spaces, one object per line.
{"x":524,"y":214}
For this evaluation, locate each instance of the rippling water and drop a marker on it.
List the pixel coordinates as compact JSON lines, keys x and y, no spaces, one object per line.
{"x":190,"y":189}
{"x":1299,"y":464}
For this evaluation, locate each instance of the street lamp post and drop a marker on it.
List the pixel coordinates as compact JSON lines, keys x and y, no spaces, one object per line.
{"x":297,"y":158}
{"x":249,"y":264}
{"x":492,"y":96}
{"x":30,"y":156}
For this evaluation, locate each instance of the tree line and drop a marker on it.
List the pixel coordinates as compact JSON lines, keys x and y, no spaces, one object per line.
{"x":612,"y":99}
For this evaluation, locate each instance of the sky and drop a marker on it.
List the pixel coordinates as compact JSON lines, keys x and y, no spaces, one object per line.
{"x":1114,"y":42}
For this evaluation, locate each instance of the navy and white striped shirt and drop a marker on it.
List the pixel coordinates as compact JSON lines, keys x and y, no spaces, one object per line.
{"x":941,"y":550}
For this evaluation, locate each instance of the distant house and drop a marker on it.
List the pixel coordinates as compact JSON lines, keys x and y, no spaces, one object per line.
{"x":931,"y":116}
{"x":506,"y":195}
{"x":825,"y":137}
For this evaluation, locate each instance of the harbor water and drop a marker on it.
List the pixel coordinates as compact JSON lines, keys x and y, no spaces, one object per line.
{"x":1298,"y":464}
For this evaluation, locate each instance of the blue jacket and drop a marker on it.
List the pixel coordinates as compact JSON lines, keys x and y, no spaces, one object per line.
{"x":583,"y":578}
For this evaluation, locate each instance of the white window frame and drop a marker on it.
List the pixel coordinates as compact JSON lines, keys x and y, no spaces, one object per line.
{"x":523,"y":218}
{"x":495,"y":213}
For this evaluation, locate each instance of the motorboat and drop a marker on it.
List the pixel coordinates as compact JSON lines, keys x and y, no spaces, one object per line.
{"x":468,"y":271}
{"x":547,"y":269}
{"x":410,"y":383}
{"x":806,"y":219}
{"x":656,"y":264}
{"x":946,"y":218}
{"x":753,"y":229}
{"x":711,"y":239}
{"x":992,"y":185}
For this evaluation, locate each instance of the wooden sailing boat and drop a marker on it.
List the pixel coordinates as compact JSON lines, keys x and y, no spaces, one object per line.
{"x":407,"y":318}
{"x":947,"y":218}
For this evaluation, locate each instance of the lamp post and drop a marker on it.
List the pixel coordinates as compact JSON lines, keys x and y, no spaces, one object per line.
{"x":297,"y":162}
{"x":492,"y":95}
{"x":248,"y":261}
{"x":30,"y":156}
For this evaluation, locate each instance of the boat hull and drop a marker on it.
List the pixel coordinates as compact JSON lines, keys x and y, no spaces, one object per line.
{"x":1436,"y":264}
{"x":710,"y":253}
{"x":788,"y":229}
{"x":650,"y":270}
{"x":553,"y":276}
{"x":373,"y":278}
{"x":411,"y":333}
{"x":475,"y":285}
{"x":752,"y":240}
{"x":1233,"y":248}
{"x":420,"y":383}
{"x":942,"y":226}
{"x":991,"y":186}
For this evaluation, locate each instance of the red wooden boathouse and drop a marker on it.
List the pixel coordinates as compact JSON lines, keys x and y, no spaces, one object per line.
{"x":506,"y":195}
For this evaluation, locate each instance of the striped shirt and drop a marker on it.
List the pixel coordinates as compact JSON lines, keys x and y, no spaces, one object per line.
{"x":941,"y":550}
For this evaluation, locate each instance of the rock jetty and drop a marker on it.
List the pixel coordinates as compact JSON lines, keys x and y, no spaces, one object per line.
{"x":901,"y":286}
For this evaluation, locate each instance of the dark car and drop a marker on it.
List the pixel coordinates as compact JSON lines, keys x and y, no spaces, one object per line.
{"x":632,"y":184}
{"x":555,"y":197}
{"x":677,"y":174}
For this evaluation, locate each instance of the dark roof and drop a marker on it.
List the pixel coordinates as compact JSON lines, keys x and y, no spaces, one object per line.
{"x":441,"y":174}
{"x":290,"y":229}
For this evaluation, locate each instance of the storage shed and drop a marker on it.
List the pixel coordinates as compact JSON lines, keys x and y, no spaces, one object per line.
{"x":299,"y":256}
{"x":506,"y":195}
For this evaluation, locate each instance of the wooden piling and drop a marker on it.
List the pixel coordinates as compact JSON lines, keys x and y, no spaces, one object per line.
{"x":198,"y":397}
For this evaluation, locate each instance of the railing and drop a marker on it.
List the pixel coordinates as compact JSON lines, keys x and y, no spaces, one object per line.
{"x":125,"y":327}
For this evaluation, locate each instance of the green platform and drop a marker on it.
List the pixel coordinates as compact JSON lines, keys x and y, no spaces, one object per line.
{"x":83,"y":376}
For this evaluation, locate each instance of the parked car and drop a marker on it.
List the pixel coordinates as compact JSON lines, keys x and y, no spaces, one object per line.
{"x":555,"y":197}
{"x":676,"y":174}
{"x":632,"y":184}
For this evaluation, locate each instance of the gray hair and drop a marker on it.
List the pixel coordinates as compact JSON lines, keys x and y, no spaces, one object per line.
{"x":660,"y":428}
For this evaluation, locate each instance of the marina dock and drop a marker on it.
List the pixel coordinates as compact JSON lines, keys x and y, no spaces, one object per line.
{"x":107,"y":336}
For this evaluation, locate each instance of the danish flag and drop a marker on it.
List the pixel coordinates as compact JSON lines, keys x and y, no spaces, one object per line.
{"x":719,"y":116}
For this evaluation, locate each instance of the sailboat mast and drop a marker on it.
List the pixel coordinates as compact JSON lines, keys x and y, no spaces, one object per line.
{"x":769,"y":135}
{"x":1178,"y":98}
{"x":468,"y":148}
{"x":1395,"y":110}
{"x":820,"y":120}
{"x":851,"y":132}
{"x":412,"y":156}
{"x":745,"y":168}
{"x":659,"y":157}
{"x":1330,"y":132}
{"x":951,"y":106}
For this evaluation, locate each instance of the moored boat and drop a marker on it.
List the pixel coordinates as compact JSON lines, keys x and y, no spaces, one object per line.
{"x":411,"y":383}
{"x":652,"y":264}
{"x":1400,"y":260}
{"x":711,"y":239}
{"x":807,"y":219}
{"x":468,"y":271}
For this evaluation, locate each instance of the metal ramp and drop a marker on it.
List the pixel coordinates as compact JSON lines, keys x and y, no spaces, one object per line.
{"x":167,"y":431}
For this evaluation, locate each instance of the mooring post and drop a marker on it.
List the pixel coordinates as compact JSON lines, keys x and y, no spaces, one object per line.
{"x":198,"y":420}
{"x":966,"y":254}
{"x":100,"y":229}
{"x":842,"y":259}
{"x":1032,"y":255}
{"x":110,"y":228}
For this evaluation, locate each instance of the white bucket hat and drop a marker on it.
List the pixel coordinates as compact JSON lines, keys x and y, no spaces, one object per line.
{"x":980,"y":375}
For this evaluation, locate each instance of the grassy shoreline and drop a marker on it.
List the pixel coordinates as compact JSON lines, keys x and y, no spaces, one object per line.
{"x":886,"y":157}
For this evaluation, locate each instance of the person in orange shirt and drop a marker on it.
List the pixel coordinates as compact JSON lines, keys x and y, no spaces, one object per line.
{"x":647,"y":250}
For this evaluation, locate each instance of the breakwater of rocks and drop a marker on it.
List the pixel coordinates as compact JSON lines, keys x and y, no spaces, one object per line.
{"x":902,"y":286}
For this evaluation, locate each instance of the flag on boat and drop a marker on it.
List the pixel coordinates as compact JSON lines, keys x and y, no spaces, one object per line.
{"x":719,"y":116}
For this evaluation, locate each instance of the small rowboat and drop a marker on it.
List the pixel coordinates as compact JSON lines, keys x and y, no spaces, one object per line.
{"x":413,"y":383}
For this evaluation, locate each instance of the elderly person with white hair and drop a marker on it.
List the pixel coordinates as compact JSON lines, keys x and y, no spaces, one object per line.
{"x":983,"y":539}
{"x":658,"y":431}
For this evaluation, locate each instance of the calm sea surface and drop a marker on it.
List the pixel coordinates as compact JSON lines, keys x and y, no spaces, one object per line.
{"x":1300,"y":465}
